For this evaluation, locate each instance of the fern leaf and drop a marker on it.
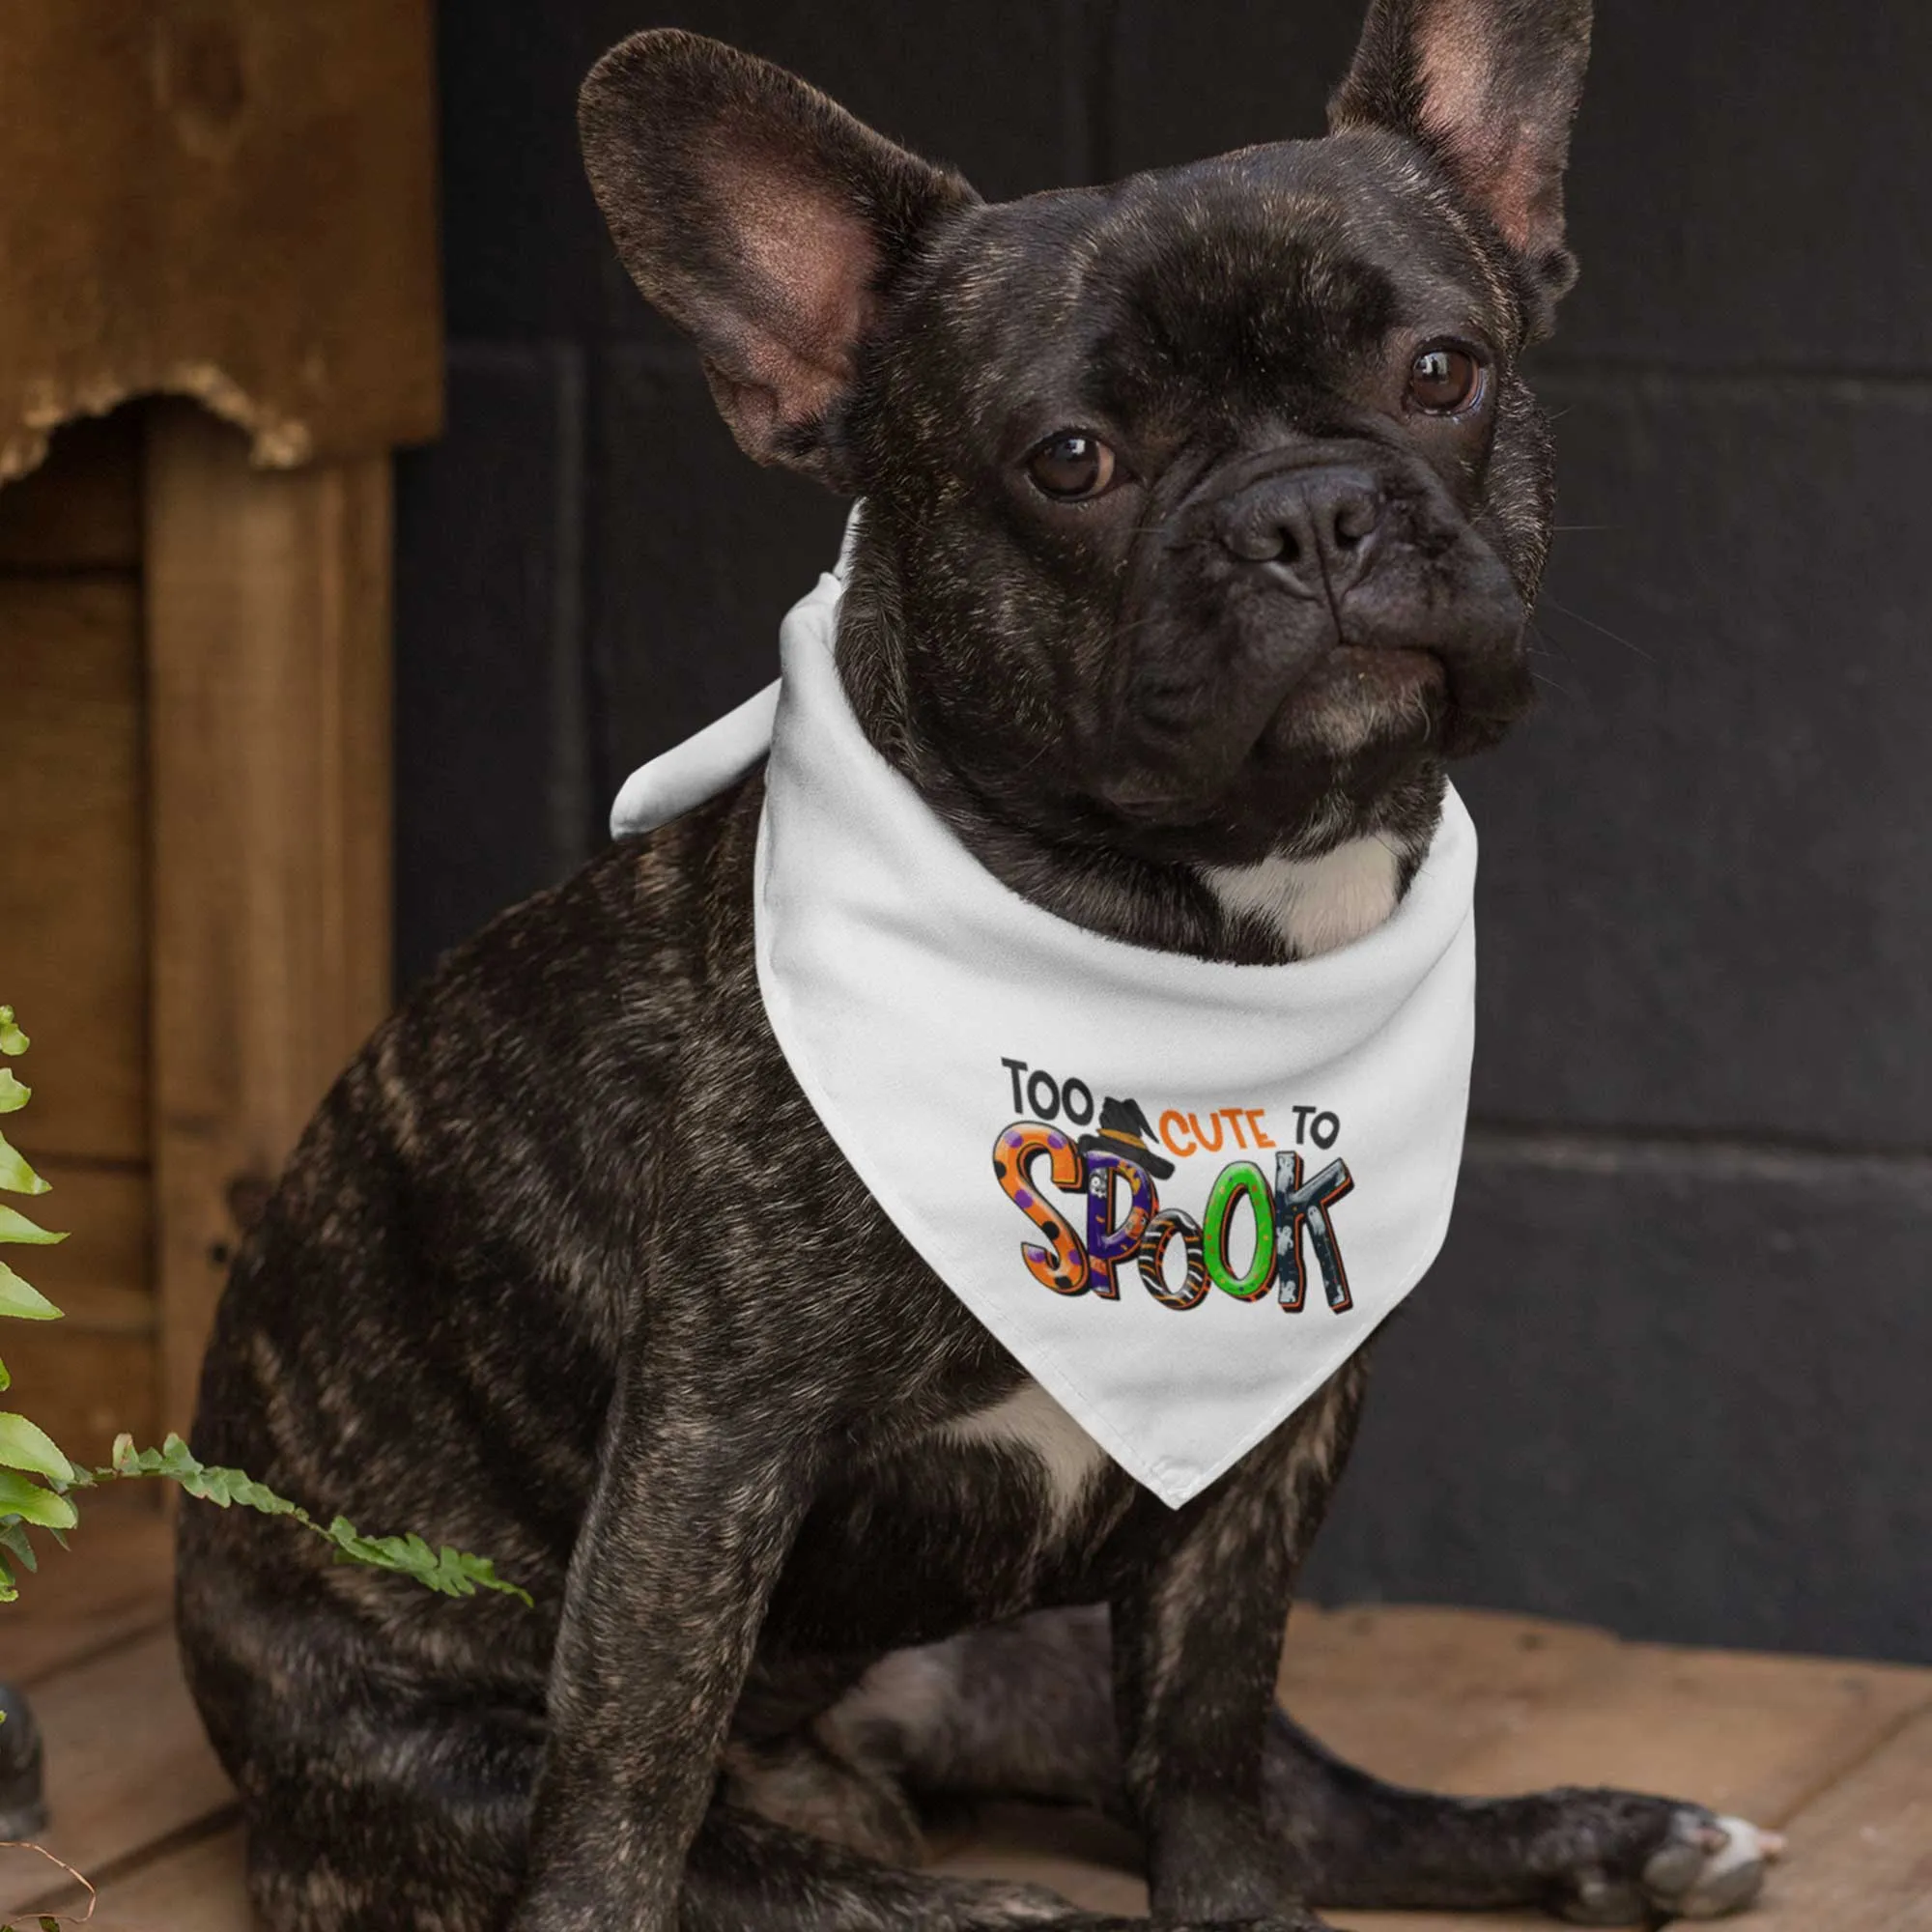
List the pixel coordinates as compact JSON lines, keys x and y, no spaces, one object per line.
{"x":226,"y":1486}
{"x":12,"y":1038}
{"x":478,"y":1572}
{"x":452,"y":1572}
{"x":212,"y":1484}
{"x":14,"y":1092}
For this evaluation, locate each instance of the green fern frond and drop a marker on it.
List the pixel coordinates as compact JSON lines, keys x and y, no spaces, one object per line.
{"x":454,"y":1573}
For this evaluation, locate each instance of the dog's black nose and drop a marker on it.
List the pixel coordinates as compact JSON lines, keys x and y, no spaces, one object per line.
{"x":1315,"y":529}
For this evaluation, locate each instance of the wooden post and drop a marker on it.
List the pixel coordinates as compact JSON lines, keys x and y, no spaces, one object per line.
{"x":267,"y":599}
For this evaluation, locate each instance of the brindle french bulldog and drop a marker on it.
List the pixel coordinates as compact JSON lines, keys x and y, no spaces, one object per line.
{"x":1203,"y":516}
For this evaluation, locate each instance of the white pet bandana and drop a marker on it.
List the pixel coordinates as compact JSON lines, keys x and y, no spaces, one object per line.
{"x":1181,"y":1193}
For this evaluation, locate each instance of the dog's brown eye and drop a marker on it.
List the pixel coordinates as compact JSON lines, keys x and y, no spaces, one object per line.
{"x":1071,"y":464}
{"x":1443,"y":380}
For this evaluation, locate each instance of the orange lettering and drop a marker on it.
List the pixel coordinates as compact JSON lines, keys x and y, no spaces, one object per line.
{"x":1062,"y":1267}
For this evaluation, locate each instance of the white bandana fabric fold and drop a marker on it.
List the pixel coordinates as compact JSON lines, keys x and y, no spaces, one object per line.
{"x":1181,"y":1193}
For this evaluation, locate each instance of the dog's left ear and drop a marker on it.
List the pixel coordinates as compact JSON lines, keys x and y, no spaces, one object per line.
{"x":1491,"y":88}
{"x":763,"y":220}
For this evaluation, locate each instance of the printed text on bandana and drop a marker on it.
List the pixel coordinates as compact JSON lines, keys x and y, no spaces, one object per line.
{"x":1088,"y":1176}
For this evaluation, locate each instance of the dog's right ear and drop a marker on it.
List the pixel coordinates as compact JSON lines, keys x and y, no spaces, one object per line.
{"x":761,"y":218}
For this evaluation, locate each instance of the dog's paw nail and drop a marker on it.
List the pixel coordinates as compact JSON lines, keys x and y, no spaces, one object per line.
{"x":1710,"y":1866}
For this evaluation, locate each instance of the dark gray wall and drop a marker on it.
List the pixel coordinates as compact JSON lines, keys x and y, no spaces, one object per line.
{"x":1672,"y":1372}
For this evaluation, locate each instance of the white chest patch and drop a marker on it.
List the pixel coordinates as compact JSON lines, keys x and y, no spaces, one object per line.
{"x":1031,"y":1420}
{"x":1316,"y":904}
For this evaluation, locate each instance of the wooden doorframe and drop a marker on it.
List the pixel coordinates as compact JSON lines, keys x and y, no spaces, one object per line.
{"x":267,"y":625}
{"x":242,"y":212}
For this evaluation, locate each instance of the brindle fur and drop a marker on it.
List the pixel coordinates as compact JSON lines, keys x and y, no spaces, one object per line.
{"x":566,"y":1270}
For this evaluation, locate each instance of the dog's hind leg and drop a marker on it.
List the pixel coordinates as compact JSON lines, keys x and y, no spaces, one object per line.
{"x":1022,"y":1709}
{"x":384,"y":1787}
{"x":1027,"y":1710}
{"x":417,"y":1824}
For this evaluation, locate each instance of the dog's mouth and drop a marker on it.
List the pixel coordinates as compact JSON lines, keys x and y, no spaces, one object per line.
{"x":1359,"y":724}
{"x":1368,"y":677}
{"x":1379,"y":703}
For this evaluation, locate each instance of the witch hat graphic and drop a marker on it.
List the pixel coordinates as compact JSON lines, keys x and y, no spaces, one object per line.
{"x":1124,"y":1130}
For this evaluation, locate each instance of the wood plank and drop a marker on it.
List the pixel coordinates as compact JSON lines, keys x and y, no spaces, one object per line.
{"x":1860,"y":1854}
{"x":73,"y":887}
{"x":81,"y":510}
{"x":231,"y":201}
{"x":114,"y":1581}
{"x":268,"y":653}
{"x":102,"y":1276}
{"x":1864,"y":1842}
{"x":1470,"y":1702}
{"x":1077,"y":1854}
{"x":1445,"y":1922}
{"x":1413,"y":1694}
{"x":1742,"y":1733}
{"x":1410,"y":1692}
{"x":1748,"y":1734}
{"x":82,"y":1389}
{"x":115,"y":1785}
{"x":197,"y":1887}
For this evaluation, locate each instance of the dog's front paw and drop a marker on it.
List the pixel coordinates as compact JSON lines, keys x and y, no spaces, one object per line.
{"x":1703,"y":1867}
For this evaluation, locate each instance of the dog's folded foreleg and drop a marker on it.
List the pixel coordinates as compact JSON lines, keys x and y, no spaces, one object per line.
{"x":1024,"y":1710}
{"x":1599,"y":1857}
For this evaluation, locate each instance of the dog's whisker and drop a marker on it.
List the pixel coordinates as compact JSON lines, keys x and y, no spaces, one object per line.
{"x":1603,"y":630}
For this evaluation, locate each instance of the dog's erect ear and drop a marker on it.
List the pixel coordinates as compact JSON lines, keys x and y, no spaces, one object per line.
{"x":760,"y":217}
{"x":1490,"y":86}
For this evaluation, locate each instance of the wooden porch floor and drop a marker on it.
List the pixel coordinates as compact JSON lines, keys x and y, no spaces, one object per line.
{"x":1839,"y":1756}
